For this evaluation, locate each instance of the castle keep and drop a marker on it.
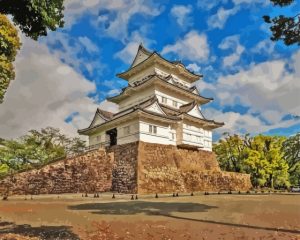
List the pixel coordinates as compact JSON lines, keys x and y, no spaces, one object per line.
{"x":160,"y":105}
{"x":158,"y":142}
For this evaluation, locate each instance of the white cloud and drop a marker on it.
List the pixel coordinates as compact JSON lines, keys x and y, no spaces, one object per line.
{"x":194,"y":67}
{"x":193,"y":46}
{"x":269,"y":89}
{"x":264,"y":47}
{"x":69,"y":49}
{"x":128,"y":53}
{"x":232,"y":43}
{"x":219,"y":19}
{"x":251,"y":2}
{"x":88,"y":44}
{"x":181,"y":13}
{"x":209,"y":4}
{"x":237,"y":123}
{"x":111,"y":17}
{"x":44,"y":93}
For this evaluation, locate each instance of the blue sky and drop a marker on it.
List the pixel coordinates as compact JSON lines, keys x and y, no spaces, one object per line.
{"x":253,"y":80}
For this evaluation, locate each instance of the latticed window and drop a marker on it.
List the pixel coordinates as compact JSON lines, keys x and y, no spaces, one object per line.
{"x":175,"y":104}
{"x":152,"y":129}
{"x":164,"y":100}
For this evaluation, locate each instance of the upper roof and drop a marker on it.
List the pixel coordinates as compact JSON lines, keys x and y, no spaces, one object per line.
{"x":141,"y":55}
{"x":145,"y":57}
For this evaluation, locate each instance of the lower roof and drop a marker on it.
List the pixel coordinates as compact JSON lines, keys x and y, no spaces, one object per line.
{"x":170,"y":114}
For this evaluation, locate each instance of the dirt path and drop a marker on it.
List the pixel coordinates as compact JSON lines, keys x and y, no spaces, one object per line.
{"x":198,"y":217}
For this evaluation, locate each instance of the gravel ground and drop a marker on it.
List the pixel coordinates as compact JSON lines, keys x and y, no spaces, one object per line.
{"x":225,"y":216}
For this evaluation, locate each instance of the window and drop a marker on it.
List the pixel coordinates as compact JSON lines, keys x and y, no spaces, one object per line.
{"x":152,"y":129}
{"x":99,"y":138}
{"x":175,"y":104}
{"x":173,"y":136}
{"x":198,"y":139}
{"x":126,"y":130}
{"x":164,"y":100}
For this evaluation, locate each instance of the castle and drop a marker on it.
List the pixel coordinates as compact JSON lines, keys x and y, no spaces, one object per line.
{"x":158,"y":142}
{"x":159,"y":105}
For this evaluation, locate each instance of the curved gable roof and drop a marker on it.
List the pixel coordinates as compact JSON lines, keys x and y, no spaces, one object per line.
{"x":146,"y":56}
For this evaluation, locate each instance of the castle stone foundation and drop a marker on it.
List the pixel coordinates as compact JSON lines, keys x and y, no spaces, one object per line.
{"x":137,"y":167}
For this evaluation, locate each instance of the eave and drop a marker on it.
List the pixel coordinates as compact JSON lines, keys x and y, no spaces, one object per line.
{"x":205,"y":122}
{"x":129,"y":114}
{"x":155,"y":58}
{"x":159,"y":81}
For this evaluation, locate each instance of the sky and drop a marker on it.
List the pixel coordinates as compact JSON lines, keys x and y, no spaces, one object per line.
{"x":62,"y":78}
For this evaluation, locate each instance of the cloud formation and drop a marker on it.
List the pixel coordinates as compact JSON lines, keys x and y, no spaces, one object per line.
{"x":232,"y":43}
{"x":219,"y":19}
{"x":193,"y":46}
{"x":110,"y":16}
{"x":181,"y":14}
{"x":44,"y":93}
{"x":269,"y":89}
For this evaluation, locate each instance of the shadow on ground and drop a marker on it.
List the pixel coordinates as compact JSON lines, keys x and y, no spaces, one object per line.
{"x":165,"y":209}
{"x":149,"y":208}
{"x":42,"y":232}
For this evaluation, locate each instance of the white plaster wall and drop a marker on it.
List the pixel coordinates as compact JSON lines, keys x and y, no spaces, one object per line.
{"x":170,"y":98}
{"x":163,"y":135}
{"x":140,"y":58}
{"x":136,"y":98}
{"x":141,"y":75}
{"x":197,"y":136}
{"x":133,"y":135}
{"x":98,"y":120}
{"x":195,"y":112}
{"x":97,"y":138}
{"x":155,"y":108}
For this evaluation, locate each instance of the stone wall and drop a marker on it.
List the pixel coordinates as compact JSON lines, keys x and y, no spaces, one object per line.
{"x":91,"y":172}
{"x":130,"y":168}
{"x":167,"y":169}
{"x":124,"y":173}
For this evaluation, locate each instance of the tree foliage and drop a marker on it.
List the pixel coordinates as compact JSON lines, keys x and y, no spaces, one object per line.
{"x":265,"y":161}
{"x":286,"y":28}
{"x":34,"y":17}
{"x":291,"y":149}
{"x":9,"y":45}
{"x":270,"y":160}
{"x":37,"y":148}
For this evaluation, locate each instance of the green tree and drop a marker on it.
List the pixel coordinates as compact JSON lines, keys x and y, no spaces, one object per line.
{"x":291,"y":149}
{"x":37,"y":148}
{"x":266,"y":162}
{"x":34,"y":17}
{"x":286,"y":28}
{"x":9,"y":45}
{"x":231,"y":152}
{"x":260,"y":156}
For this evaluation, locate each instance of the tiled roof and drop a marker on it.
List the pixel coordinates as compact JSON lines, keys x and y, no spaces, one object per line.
{"x":187,"y":107}
{"x":107,"y":115}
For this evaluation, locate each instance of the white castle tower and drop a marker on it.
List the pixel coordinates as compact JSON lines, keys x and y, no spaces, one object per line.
{"x":159,"y":105}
